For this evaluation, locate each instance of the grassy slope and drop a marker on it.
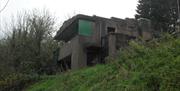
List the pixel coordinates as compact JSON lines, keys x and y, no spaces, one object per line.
{"x":154,"y":66}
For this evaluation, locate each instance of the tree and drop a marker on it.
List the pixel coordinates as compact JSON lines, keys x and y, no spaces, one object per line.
{"x":29,"y":48}
{"x":27,"y":51}
{"x":162,"y":13}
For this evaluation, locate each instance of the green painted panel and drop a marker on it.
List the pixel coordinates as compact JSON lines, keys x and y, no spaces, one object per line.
{"x":85,"y":27}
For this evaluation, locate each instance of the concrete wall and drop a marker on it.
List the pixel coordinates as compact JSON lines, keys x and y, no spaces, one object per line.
{"x":124,"y":30}
{"x":76,"y":50}
{"x":79,"y":57}
{"x":112,"y":45}
{"x":117,"y":41}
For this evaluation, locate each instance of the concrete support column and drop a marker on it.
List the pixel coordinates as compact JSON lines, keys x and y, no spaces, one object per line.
{"x":79,"y":56}
{"x":146,"y":35}
{"x":112,"y":45}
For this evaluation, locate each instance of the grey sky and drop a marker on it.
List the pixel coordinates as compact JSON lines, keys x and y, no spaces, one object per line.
{"x":65,"y":8}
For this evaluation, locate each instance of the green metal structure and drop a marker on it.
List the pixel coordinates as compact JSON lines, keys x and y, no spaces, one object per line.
{"x":85,"y":27}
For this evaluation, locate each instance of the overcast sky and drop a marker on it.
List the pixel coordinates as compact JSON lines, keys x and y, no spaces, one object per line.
{"x":62,"y":9}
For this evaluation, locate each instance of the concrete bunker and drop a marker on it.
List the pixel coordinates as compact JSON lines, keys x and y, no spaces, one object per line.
{"x":90,"y":39}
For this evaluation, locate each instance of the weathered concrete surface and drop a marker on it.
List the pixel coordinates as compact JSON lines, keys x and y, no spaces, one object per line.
{"x":79,"y":56}
{"x":108,"y":36}
{"x":112,"y":45}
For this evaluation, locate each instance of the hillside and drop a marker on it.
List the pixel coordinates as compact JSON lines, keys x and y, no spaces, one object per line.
{"x":152,"y":66}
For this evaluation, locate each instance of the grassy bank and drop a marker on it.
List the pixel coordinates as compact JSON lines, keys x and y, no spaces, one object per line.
{"x":152,"y":66}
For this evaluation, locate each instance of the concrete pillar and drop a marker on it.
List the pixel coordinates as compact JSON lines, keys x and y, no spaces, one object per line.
{"x":79,"y":56}
{"x":145,"y":27}
{"x":112,"y":45}
{"x":146,"y":35}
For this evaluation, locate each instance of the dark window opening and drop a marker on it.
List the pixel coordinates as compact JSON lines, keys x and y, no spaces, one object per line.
{"x":110,"y":29}
{"x":65,"y":64}
{"x":93,"y":56}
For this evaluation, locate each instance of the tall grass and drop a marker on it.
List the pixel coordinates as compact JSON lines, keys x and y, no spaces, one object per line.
{"x":143,"y":66}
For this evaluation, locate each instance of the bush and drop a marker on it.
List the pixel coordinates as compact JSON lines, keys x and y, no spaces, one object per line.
{"x":16,"y":82}
{"x":157,"y":62}
{"x":151,"y":66}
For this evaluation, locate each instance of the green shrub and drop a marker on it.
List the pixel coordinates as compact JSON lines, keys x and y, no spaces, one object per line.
{"x":16,"y":82}
{"x":143,"y":66}
{"x":157,"y":62}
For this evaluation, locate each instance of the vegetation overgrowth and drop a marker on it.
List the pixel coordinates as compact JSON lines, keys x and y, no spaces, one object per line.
{"x":143,"y":66}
